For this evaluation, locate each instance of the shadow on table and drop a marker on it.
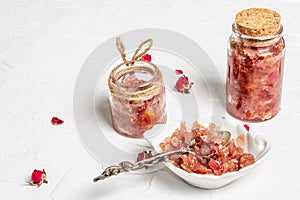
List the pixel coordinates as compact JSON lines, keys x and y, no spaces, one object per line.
{"x":162,"y":184}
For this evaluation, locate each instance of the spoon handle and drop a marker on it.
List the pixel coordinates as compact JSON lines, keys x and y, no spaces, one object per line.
{"x":126,"y":166}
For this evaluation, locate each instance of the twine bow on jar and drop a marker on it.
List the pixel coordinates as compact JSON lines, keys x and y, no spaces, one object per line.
{"x":136,"y":56}
{"x":144,"y":89}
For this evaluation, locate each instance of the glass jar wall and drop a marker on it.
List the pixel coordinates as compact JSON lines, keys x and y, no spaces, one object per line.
{"x":137,"y":98}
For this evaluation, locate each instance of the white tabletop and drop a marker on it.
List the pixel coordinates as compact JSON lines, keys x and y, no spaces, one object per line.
{"x":43,"y":45}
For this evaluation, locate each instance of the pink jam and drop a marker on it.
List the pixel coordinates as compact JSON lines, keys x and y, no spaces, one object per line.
{"x":137,"y":104}
{"x":230,"y":158}
{"x":254,"y":80}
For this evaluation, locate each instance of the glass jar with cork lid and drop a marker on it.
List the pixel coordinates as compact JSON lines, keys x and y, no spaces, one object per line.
{"x":255,"y":53}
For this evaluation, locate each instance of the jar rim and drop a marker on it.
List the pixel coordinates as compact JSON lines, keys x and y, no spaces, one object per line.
{"x":136,"y":65}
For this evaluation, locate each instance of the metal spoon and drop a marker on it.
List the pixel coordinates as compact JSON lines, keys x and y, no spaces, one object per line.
{"x":127,"y":166}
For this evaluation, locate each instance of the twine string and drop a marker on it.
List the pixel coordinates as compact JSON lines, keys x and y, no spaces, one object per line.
{"x":136,"y":56}
{"x":121,"y":48}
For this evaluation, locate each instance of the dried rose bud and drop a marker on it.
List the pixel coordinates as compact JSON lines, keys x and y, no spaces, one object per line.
{"x":38,"y":177}
{"x":147,"y":57}
{"x":144,"y":155}
{"x":183,"y":85}
{"x":56,"y":121}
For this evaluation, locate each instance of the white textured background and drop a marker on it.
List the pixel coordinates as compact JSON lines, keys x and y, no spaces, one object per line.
{"x":42,"y":46}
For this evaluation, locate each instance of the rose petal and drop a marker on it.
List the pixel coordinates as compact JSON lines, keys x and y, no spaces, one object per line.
{"x":140,"y":157}
{"x":178,"y":71}
{"x":147,"y":57}
{"x":56,"y":121}
{"x":179,"y":85}
{"x":247,"y":127}
{"x":185,"y":80}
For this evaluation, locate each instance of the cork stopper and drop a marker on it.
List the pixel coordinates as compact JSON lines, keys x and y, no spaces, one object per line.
{"x":257,"y":22}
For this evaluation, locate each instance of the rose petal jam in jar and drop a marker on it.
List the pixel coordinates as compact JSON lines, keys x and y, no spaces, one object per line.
{"x":255,"y":65}
{"x":137,"y":98}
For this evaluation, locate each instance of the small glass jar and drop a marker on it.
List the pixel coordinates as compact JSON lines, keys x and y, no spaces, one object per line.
{"x":256,"y":51}
{"x":137,"y":98}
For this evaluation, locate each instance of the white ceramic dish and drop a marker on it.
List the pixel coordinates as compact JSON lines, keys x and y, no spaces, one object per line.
{"x":258,"y":145}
